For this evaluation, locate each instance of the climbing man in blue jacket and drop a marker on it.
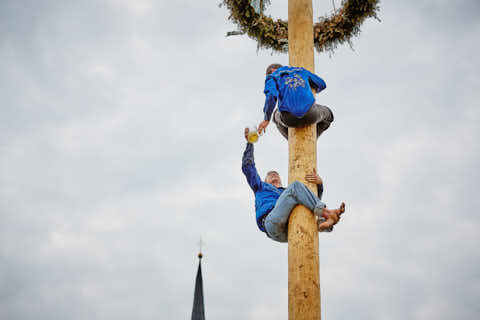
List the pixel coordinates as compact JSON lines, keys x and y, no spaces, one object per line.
{"x":274,"y":203}
{"x":292,"y":87}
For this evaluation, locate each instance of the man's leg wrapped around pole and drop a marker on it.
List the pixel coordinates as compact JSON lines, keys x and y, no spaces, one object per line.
{"x":296,"y":193}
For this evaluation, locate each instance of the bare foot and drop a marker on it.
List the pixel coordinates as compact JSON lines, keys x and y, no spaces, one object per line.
{"x":332,"y":217}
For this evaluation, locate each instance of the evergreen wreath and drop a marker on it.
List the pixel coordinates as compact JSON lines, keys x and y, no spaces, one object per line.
{"x":328,"y":33}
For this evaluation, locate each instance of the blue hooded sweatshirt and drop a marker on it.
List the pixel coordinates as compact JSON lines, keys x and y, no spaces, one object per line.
{"x":293,"y":88}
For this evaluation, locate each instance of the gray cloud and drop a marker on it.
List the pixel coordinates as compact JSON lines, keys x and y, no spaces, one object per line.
{"x":120,"y":138}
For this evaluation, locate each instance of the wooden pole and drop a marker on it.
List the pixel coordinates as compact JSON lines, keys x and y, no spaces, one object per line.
{"x":303,"y":264}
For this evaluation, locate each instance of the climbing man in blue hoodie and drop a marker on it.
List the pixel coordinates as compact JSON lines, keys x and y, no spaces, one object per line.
{"x":292,"y":88}
{"x":274,"y":203}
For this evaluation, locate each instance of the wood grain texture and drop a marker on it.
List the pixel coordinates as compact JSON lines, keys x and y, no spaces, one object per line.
{"x":303,"y":262}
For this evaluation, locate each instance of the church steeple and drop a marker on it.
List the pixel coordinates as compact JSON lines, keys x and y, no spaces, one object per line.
{"x":198,"y":312}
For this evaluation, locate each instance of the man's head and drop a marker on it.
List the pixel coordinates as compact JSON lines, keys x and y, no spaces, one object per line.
{"x":272,"y":68}
{"x":273,"y":177}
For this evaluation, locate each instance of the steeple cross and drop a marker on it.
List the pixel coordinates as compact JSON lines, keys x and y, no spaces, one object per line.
{"x":200,"y":244}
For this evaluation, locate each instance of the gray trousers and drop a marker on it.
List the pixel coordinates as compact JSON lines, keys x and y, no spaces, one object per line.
{"x":321,"y":115}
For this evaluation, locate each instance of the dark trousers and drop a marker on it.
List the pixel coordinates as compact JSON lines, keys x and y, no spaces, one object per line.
{"x":321,"y":115}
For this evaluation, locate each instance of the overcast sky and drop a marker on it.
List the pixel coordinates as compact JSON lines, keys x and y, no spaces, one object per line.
{"x":121,"y":141}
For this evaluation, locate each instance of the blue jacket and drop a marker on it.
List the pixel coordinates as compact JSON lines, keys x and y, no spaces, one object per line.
{"x":266,"y":194}
{"x":293,"y":88}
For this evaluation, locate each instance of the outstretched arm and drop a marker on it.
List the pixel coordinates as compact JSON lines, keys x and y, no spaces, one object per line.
{"x":271,"y":94}
{"x":248,"y":167}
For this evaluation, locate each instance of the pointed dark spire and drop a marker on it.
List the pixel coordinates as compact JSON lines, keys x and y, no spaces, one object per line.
{"x":198,"y":312}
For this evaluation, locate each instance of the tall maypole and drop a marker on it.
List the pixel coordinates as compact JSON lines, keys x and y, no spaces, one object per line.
{"x":303,"y":261}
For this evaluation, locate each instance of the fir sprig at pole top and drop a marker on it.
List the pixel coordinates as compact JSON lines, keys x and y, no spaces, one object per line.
{"x":328,"y":33}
